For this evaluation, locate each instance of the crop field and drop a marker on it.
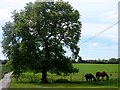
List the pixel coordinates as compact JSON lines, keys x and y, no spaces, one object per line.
{"x":76,"y":80}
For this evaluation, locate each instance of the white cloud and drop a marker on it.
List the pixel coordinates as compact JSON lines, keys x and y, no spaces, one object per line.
{"x":95,"y":44}
{"x":15,"y":3}
{"x":99,"y":52}
{"x":1,"y":54}
{"x":1,"y":48}
{"x":8,"y":6}
{"x":90,"y":30}
{"x":109,"y":48}
{"x":97,"y":1}
{"x":110,"y":16}
{"x":5,"y":14}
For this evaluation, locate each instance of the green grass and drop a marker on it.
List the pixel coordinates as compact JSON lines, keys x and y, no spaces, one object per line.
{"x":76,"y":80}
{"x":93,"y":68}
{"x":105,"y":84}
{"x":97,"y":67}
{"x":4,"y":69}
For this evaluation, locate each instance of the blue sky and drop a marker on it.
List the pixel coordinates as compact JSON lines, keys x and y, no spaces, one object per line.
{"x":96,"y":16}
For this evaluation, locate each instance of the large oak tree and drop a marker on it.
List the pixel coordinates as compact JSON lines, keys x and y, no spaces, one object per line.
{"x":36,"y":38}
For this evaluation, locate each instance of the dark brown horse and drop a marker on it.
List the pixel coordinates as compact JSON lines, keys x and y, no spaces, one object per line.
{"x":89,"y":77}
{"x":102,"y":74}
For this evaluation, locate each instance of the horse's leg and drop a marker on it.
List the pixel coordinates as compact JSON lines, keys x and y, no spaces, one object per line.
{"x":86,"y":79}
{"x":98,"y":78}
{"x":107,"y":77}
{"x":90,"y":79}
{"x":103,"y":78}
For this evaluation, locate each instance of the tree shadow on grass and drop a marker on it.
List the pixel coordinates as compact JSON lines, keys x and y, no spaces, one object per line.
{"x":66,"y":83}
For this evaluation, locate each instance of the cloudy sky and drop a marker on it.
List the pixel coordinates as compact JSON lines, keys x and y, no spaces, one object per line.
{"x":96,"y":16}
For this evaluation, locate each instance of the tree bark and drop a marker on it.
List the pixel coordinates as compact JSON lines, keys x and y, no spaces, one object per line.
{"x":44,"y":76}
{"x":44,"y":68}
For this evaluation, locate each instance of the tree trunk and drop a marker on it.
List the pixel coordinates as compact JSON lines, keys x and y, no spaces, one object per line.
{"x":44,"y":76}
{"x":44,"y":68}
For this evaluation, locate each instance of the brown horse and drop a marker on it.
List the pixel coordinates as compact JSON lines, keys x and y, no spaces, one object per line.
{"x":102,"y":74}
{"x":89,"y":77}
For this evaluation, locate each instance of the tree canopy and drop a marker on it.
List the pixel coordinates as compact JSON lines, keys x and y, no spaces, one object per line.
{"x":36,"y":38}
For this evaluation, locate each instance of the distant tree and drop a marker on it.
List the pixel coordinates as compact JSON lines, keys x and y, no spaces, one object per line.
{"x":80,"y":59}
{"x":36,"y":37}
{"x":4,"y":61}
{"x":104,"y":61}
{"x":1,"y":61}
{"x":94,"y":61}
{"x":72,"y":60}
{"x":118,"y":60}
{"x":113,"y":60}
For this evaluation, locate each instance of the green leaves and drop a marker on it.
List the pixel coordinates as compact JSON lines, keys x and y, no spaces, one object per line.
{"x":37,"y":36}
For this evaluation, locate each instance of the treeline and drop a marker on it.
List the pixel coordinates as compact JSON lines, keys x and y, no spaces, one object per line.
{"x":99,"y":61}
{"x":3,"y":61}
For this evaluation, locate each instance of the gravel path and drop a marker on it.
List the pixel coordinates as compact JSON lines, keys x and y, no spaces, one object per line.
{"x":4,"y":83}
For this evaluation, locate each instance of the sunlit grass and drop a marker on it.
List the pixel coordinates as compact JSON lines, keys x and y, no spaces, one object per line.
{"x":31,"y":80}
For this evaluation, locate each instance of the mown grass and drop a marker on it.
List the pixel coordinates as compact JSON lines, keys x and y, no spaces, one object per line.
{"x":75,"y":80}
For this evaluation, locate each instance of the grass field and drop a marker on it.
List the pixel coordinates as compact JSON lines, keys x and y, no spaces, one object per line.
{"x":93,"y":68}
{"x":76,"y":80}
{"x":4,"y":69}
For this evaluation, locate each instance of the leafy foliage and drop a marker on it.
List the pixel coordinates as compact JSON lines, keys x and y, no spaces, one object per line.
{"x":35,"y":39}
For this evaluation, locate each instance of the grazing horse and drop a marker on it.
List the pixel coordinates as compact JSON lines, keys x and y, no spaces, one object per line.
{"x":102,"y":74}
{"x":89,"y":77}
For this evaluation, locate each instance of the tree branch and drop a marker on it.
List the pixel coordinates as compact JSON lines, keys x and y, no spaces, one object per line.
{"x":62,"y":37}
